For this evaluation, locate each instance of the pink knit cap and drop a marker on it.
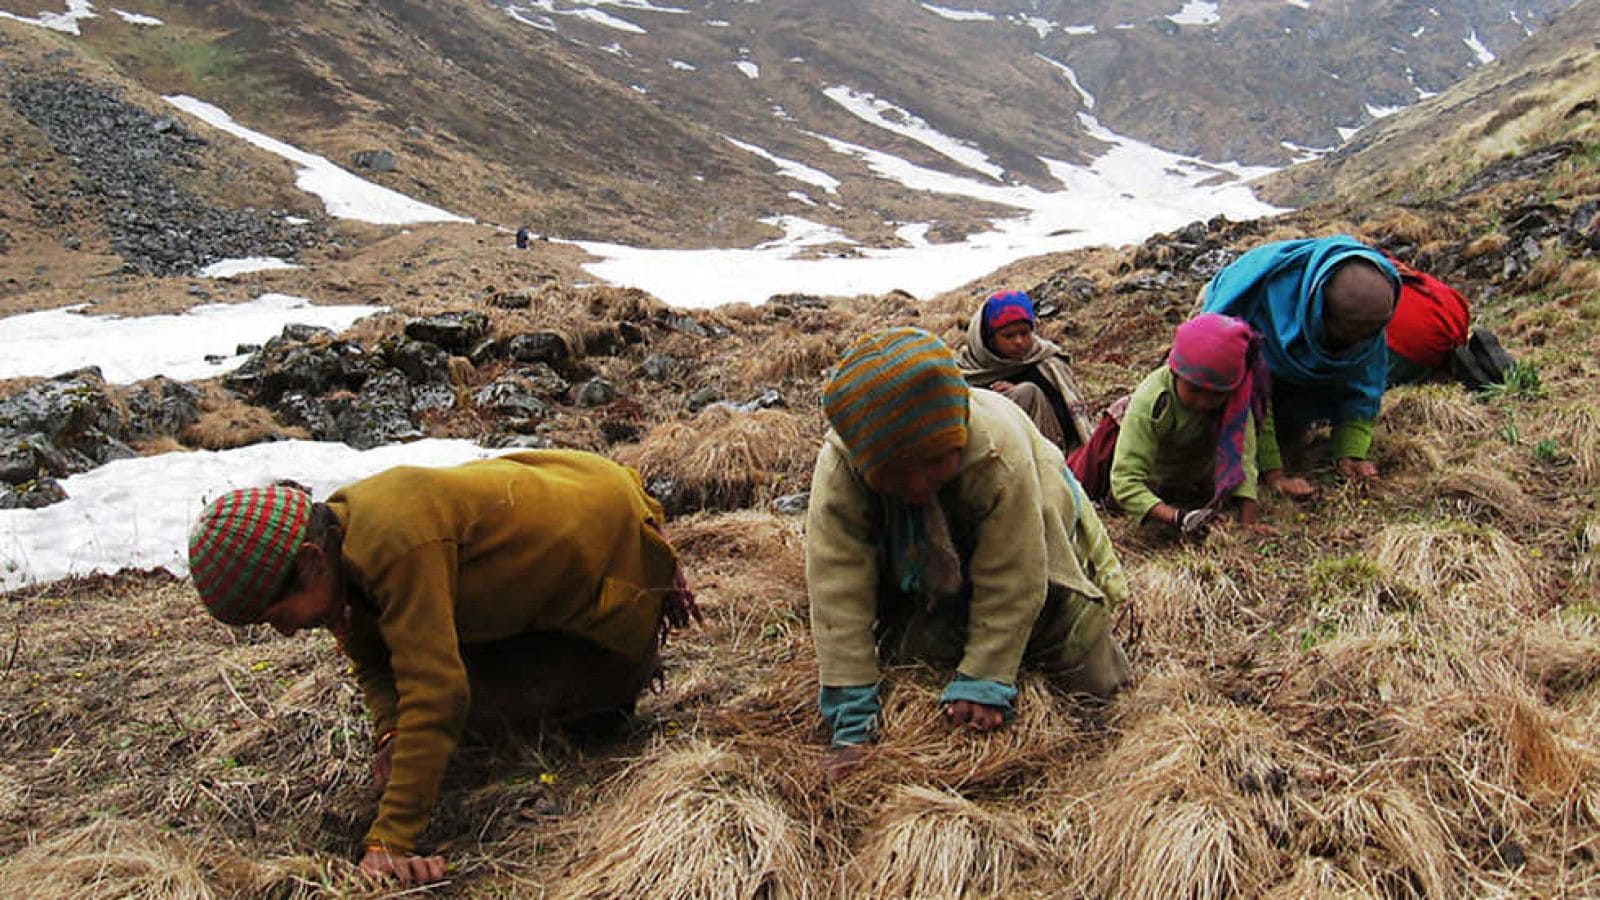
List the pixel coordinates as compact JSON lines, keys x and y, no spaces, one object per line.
{"x":1210,"y":351}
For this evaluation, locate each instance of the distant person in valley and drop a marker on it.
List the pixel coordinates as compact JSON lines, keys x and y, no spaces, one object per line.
{"x":458,"y":593}
{"x":944,"y":528}
{"x":523,"y":235}
{"x":1183,"y":447}
{"x":1320,"y":305}
{"x":1005,"y":354}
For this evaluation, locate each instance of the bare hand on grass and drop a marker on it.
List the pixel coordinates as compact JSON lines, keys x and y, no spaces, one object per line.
{"x":976,"y":716}
{"x":406,"y":867}
{"x":841,"y":761}
{"x":1361,"y":471}
{"x":1293,"y":488}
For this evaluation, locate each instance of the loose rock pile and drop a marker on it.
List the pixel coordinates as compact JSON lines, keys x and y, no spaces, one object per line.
{"x":126,"y":155}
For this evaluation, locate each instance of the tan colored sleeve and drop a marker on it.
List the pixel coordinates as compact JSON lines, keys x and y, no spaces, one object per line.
{"x":841,"y":573}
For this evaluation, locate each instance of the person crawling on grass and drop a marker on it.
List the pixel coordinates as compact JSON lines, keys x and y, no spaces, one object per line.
{"x":533,"y":587}
{"x":1004,"y":353}
{"x":1182,"y":448}
{"x":1320,"y":305}
{"x":943,"y":527}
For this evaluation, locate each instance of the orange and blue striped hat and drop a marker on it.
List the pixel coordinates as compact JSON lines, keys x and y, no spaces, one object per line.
{"x":242,"y":548}
{"x":897,"y":393}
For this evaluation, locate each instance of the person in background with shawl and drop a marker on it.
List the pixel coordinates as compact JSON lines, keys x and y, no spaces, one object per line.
{"x":1320,"y":306}
{"x":944,"y":528}
{"x":456,"y":590}
{"x":1187,"y":442}
{"x":1004,"y":353}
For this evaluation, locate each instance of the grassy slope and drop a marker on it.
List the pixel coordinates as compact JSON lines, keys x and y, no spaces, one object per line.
{"x":1395,"y":696}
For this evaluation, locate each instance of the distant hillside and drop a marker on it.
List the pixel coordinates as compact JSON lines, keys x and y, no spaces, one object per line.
{"x":612,"y":120}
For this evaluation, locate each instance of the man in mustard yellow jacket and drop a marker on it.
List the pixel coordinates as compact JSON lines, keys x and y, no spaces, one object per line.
{"x":944,"y":527}
{"x":537,"y":584}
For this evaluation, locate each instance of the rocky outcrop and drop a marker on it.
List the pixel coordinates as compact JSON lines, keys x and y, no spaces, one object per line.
{"x":126,"y":158}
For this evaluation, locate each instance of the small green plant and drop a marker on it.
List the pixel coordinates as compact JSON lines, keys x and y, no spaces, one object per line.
{"x":1509,"y":432}
{"x":1522,"y":380}
{"x":1319,"y":632}
{"x":1547,"y":451}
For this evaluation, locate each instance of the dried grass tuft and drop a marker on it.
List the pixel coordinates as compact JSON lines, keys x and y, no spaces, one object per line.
{"x":789,"y":355}
{"x":114,"y":859}
{"x":1185,"y":602}
{"x":698,"y":821}
{"x":1576,"y":430}
{"x":1190,"y":803}
{"x":226,"y":423}
{"x":1443,"y":409}
{"x":917,"y":744}
{"x":1317,"y":877}
{"x":931,"y":843}
{"x":1388,"y":839}
{"x":1486,"y":491}
{"x":726,"y":459}
{"x":1441,"y":561}
{"x":1404,"y":226}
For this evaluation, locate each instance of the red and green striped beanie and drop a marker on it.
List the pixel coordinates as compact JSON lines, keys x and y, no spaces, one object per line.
{"x":897,"y":393}
{"x":242,"y":548}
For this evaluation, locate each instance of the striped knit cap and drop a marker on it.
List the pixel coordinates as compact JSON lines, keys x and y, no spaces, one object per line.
{"x":242,"y":548}
{"x":897,"y":393}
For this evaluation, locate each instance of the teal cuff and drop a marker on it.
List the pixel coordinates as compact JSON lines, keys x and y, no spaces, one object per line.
{"x":851,"y":713}
{"x":980,"y":690}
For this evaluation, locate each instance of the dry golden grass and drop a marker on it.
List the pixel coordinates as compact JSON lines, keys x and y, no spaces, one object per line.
{"x":225,"y":423}
{"x":1189,"y":802}
{"x":1439,"y":409}
{"x":694,"y":821}
{"x":789,"y":355}
{"x":1387,"y":838}
{"x":1403,"y":226}
{"x":728,"y":459}
{"x":1452,"y":562}
{"x":927,"y":843}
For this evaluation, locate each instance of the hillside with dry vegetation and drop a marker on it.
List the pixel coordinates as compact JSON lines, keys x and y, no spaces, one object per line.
{"x":1397,"y":694}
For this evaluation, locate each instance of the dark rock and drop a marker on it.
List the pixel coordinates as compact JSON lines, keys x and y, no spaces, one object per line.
{"x":287,"y":365}
{"x":616,"y":431}
{"x":687,"y":325}
{"x":456,"y":332}
{"x":504,"y":441}
{"x":521,"y":298}
{"x":310,"y":413}
{"x":483,"y":351}
{"x":75,"y":414}
{"x":702,"y":398}
{"x":1210,"y":262}
{"x":430,"y":397}
{"x":421,"y":361}
{"x":511,"y":396}
{"x":24,"y":457}
{"x":301,"y":333}
{"x":631,"y":333}
{"x":374,"y":160}
{"x":767,"y":399}
{"x":162,"y":406}
{"x":380,"y":414}
{"x":541,"y":346}
{"x":659,"y":367}
{"x":792,"y":504}
{"x":672,"y":495}
{"x":596,"y":392}
{"x":798,"y":301}
{"x":35,"y":494}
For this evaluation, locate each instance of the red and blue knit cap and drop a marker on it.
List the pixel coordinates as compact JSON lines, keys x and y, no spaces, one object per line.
{"x":1006,"y":307}
{"x":897,"y":394}
{"x":242,"y":549}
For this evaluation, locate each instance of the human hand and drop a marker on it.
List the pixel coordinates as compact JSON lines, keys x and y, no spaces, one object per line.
{"x":383,"y":763}
{"x":408,"y":868}
{"x":1362,"y":470}
{"x":1196,"y":522}
{"x":976,"y":716}
{"x":1261,"y":530}
{"x":842,"y":761}
{"x":1000,"y":387}
{"x":1293,"y":488}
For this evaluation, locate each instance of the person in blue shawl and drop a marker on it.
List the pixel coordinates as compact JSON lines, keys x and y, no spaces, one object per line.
{"x":1321,"y":305}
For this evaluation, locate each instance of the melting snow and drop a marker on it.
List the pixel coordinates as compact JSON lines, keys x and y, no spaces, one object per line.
{"x":345,"y":195}
{"x":129,"y":349}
